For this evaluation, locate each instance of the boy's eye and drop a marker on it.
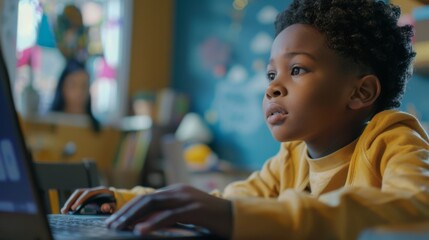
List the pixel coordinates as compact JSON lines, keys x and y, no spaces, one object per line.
{"x":271,"y":76}
{"x":297,"y":71}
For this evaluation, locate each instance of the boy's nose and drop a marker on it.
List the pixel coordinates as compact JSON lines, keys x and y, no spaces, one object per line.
{"x":275,"y":91}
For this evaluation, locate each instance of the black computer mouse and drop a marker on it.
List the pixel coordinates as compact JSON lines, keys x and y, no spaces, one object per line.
{"x":93,"y":204}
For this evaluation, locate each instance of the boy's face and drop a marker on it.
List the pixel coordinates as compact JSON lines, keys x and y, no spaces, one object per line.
{"x":309,"y":87}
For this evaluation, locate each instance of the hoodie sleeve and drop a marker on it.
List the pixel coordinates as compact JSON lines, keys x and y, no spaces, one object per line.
{"x":122,"y":196}
{"x":388,"y":184}
{"x":341,"y":214}
{"x":263,"y":183}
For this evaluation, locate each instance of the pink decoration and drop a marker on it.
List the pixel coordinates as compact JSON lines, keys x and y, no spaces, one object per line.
{"x":106,"y":71}
{"x":215,"y":55}
{"x":29,"y":56}
{"x":219,"y":71}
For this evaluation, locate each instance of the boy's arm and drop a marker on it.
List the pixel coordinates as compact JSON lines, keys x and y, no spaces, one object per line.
{"x":122,"y":196}
{"x":261,"y":183}
{"x":264,"y":183}
{"x":403,"y":169}
{"x":297,"y":215}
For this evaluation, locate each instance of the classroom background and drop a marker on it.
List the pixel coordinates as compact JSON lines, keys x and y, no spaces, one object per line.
{"x":176,"y":85}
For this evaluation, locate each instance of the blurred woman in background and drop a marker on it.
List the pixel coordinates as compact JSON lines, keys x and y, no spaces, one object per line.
{"x":72,"y":94}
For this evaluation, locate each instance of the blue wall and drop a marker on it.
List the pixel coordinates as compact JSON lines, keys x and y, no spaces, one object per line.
{"x":214,"y":64}
{"x":416,"y":96}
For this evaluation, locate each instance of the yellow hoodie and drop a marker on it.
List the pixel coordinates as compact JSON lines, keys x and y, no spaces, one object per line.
{"x":380,"y":178}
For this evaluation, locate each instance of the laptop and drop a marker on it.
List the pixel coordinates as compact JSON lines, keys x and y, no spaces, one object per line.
{"x":22,"y":213}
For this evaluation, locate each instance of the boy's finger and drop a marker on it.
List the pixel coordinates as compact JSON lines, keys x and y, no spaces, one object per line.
{"x":126,"y":216}
{"x":71,"y":200}
{"x":157,"y":221}
{"x":166,"y":218}
{"x":108,"y":207}
{"x":114,"y":217}
{"x":143,"y":207}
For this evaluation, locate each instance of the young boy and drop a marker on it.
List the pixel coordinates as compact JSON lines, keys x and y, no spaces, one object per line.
{"x":347,"y":161}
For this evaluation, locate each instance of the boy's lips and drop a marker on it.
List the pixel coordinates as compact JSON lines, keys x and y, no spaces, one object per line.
{"x":275,"y":114}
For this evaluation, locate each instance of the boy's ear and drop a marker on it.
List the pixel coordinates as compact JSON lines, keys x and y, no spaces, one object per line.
{"x":367,"y":90}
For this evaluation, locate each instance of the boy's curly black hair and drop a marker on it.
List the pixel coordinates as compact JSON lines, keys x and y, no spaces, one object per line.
{"x":365,"y":31}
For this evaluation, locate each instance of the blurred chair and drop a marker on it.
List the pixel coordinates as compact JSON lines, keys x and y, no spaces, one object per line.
{"x":57,"y":180}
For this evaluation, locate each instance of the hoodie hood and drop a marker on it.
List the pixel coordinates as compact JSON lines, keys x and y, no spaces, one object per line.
{"x":390,"y":119}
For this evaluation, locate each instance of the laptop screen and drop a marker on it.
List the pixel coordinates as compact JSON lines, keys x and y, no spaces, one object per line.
{"x":15,"y":186}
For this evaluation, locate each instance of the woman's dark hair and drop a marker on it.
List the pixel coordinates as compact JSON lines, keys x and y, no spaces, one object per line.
{"x":364,"y":31}
{"x":58,"y":104}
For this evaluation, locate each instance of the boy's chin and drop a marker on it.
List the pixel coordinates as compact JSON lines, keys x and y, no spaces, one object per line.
{"x":280,"y":133}
{"x":280,"y":137}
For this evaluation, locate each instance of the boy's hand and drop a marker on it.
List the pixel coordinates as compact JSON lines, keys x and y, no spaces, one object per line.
{"x":79,"y":196}
{"x":177,"y":203}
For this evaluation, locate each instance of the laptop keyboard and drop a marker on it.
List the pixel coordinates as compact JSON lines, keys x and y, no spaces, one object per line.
{"x":74,"y":227}
{"x":81,"y":226}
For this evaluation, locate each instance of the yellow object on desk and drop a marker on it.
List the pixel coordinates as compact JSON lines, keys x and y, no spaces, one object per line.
{"x":200,"y":157}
